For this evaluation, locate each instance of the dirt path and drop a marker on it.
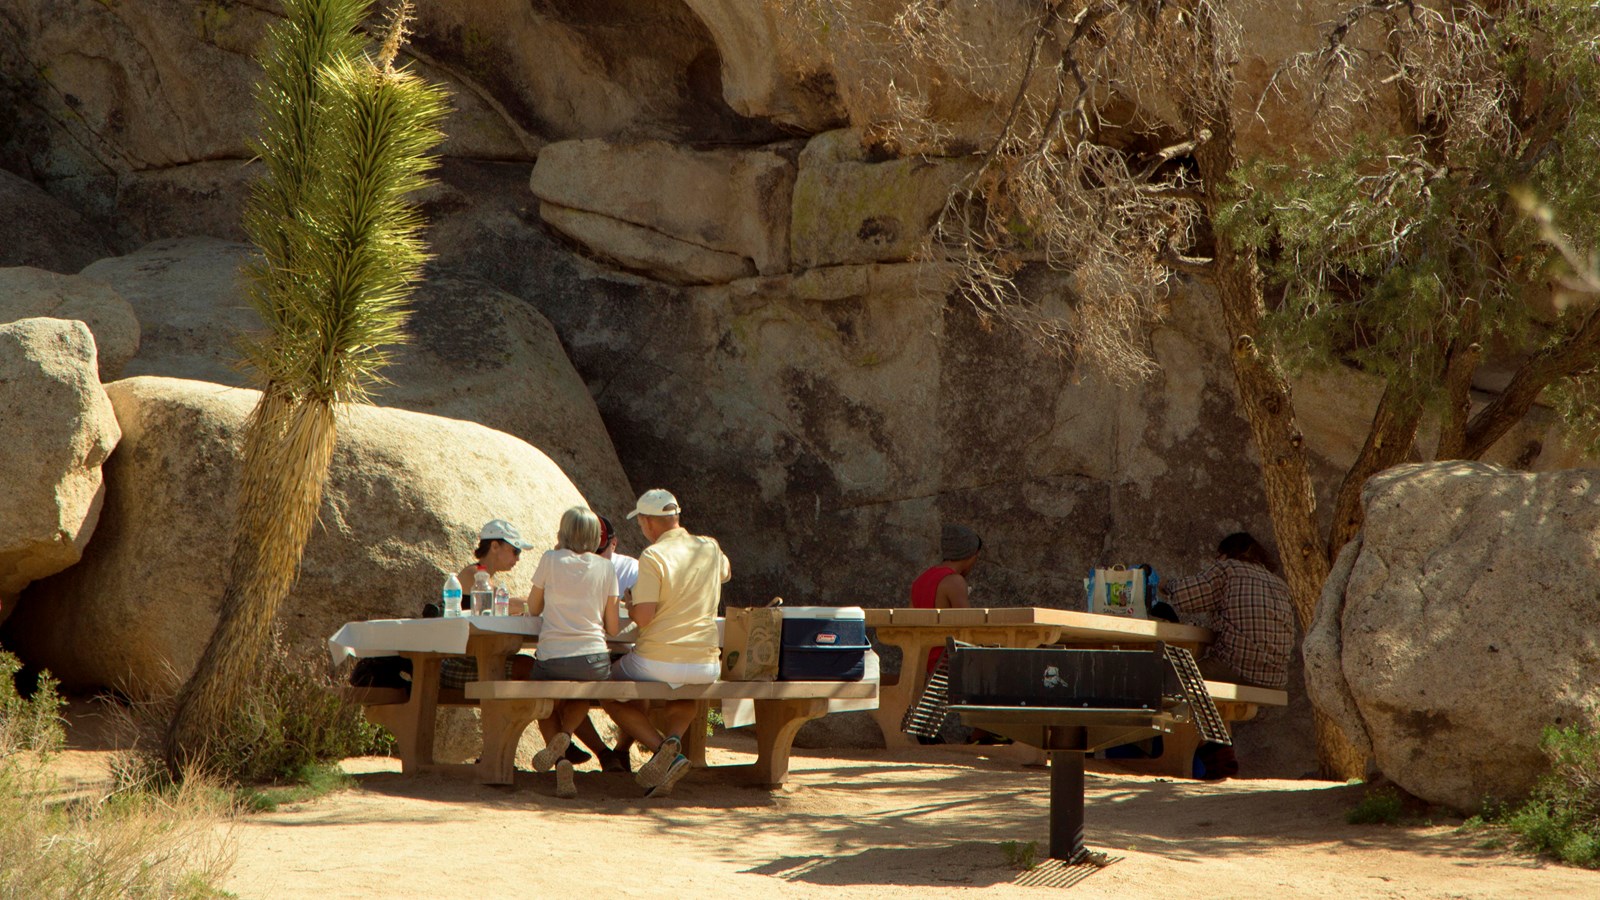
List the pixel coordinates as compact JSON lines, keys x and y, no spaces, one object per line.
{"x":858,"y":824}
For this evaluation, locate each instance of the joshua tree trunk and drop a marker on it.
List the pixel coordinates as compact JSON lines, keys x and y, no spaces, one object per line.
{"x":287,"y":454}
{"x":345,"y":138}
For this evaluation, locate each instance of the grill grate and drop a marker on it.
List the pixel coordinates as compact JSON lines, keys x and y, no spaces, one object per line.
{"x":1202,"y":711}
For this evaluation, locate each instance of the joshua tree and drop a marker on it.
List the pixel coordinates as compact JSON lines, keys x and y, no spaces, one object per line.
{"x":344,"y":139}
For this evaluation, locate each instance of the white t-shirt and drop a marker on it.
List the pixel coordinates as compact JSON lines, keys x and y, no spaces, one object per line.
{"x":576,"y":586}
{"x":627,"y":572}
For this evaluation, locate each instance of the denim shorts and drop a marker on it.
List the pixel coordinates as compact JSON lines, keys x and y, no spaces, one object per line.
{"x":593,"y":667}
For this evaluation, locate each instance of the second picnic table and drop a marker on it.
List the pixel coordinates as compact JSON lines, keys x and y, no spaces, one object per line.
{"x":917,"y":631}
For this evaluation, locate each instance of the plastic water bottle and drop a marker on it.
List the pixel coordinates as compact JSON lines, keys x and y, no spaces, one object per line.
{"x":482,"y":594}
{"x":502,"y":601}
{"x":452,"y":597}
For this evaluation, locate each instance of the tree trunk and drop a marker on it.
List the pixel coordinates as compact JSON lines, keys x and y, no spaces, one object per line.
{"x":1263,"y":390}
{"x":1461,"y":360}
{"x":1389,"y":442}
{"x":1574,"y":355}
{"x":287,"y":455}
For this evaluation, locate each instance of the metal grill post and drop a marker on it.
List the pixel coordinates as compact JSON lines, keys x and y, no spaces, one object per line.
{"x":1066,"y":806}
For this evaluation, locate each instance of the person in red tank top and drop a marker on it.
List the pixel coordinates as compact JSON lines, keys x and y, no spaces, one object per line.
{"x":944,"y":586}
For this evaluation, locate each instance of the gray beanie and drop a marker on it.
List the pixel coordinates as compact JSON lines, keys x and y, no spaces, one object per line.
{"x":958,"y":542}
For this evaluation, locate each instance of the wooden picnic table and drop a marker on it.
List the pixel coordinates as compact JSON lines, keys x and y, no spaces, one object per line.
{"x":777,"y":709}
{"x":917,"y":631}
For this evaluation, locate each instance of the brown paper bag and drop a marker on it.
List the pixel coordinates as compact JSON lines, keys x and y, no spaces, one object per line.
{"x":751,"y":638}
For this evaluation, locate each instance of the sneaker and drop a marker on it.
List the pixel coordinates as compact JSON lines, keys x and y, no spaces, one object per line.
{"x":614,"y":762}
{"x":565,"y":786}
{"x":544,"y":759}
{"x":650,"y":774}
{"x":577,"y":755}
{"x":678,"y":769}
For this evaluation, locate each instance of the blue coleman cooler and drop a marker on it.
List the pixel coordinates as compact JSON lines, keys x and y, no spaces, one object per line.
{"x":823,"y":643}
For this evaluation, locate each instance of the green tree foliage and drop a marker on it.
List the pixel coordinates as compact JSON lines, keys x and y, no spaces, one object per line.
{"x":1400,"y":250}
{"x":344,"y":141}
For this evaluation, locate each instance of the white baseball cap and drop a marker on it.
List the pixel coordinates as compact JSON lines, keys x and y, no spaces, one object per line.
{"x":501,"y":530}
{"x":656,"y":502}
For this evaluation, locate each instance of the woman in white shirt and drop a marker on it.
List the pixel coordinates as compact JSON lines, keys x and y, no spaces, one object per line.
{"x":575,"y":592}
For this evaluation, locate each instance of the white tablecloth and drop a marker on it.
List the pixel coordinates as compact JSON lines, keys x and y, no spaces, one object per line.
{"x":386,"y":637}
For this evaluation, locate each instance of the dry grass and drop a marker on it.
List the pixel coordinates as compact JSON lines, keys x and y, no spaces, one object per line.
{"x":134,"y":842}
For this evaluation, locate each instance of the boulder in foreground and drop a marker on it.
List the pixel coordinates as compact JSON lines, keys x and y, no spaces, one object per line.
{"x":1465,"y":625}
{"x":407,"y":496}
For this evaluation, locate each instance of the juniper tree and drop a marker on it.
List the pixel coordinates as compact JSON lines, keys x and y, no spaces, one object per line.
{"x":345,"y":138}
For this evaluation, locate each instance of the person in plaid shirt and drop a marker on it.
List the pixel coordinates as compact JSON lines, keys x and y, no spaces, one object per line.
{"x":1249,"y":604}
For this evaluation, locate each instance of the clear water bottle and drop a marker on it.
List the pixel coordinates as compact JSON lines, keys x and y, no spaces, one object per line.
{"x":502,"y":601}
{"x":482,"y":594}
{"x":452,"y":597}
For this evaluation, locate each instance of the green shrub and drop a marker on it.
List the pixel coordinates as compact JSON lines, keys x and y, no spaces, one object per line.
{"x":1561,"y":817}
{"x":1380,"y":806}
{"x":294,"y":721}
{"x":1020,"y":855}
{"x":28,"y":724}
{"x":132,"y":843}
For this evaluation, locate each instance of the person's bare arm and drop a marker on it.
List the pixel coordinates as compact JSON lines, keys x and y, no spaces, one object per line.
{"x":646,"y":591}
{"x":612,"y":618}
{"x":952,"y":593}
{"x":535,"y":601}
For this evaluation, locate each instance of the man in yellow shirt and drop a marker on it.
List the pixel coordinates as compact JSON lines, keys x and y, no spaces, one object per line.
{"x":675,"y":606}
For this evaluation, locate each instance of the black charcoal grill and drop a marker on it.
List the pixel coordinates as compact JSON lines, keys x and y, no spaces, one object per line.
{"x":1068,"y":703}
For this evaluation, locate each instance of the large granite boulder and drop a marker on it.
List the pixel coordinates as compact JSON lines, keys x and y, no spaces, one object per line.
{"x":27,"y":293}
{"x":39,"y":230}
{"x":59,"y":430}
{"x":1464,"y":625}
{"x":475,"y":353}
{"x":407,"y":495}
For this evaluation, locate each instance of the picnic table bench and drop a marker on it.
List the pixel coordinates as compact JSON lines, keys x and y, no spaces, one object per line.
{"x":1235,"y":703}
{"x":781,"y":707}
{"x":508,"y":707}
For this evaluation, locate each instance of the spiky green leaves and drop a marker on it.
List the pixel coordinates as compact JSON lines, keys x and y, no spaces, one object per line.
{"x":345,"y":141}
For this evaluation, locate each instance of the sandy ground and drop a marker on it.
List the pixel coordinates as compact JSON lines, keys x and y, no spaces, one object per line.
{"x":859,"y":824}
{"x":851,"y":824}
